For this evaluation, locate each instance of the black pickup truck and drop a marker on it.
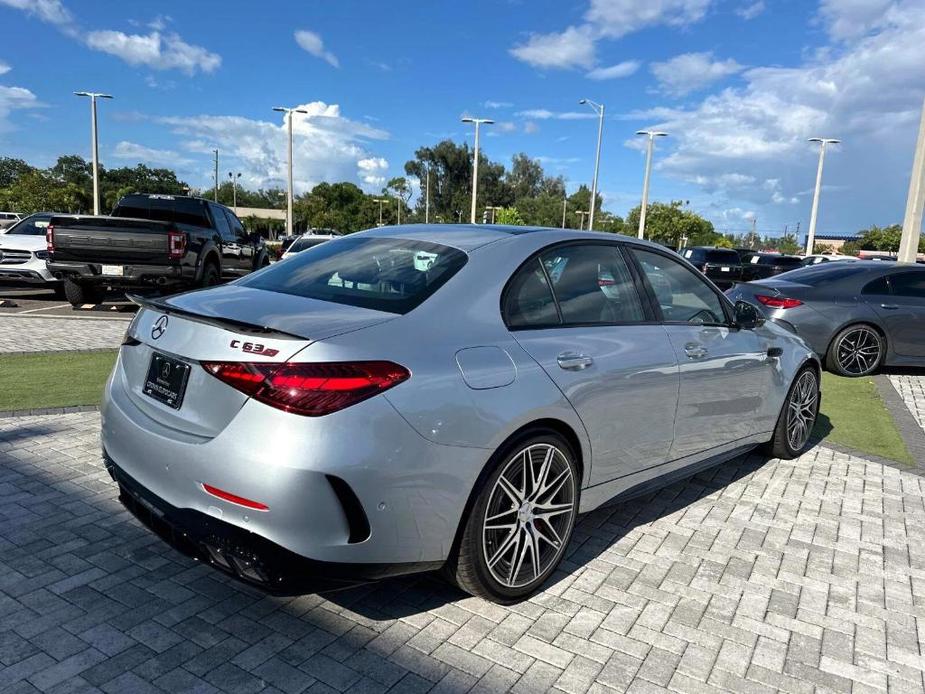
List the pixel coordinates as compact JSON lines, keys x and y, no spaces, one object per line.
{"x":160,"y":242}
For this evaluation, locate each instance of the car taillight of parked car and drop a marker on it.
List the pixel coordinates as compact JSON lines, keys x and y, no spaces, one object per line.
{"x":778,"y":301}
{"x":310,"y":389}
{"x":50,"y":238}
{"x":176,"y":244}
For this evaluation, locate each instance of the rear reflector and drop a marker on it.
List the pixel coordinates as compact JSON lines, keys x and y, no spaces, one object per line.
{"x":310,"y":389}
{"x":234,"y":498}
{"x":778,"y":301}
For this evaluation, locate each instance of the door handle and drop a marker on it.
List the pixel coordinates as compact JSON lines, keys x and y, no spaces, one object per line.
{"x":695,"y":351}
{"x":889,"y":307}
{"x":573,"y":361}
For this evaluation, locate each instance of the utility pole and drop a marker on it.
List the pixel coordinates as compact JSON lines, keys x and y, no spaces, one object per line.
{"x":564,"y":206}
{"x":380,"y":201}
{"x":289,"y":112}
{"x":398,"y":205}
{"x":599,"y":109}
{"x":94,"y":145}
{"x":915,"y":203}
{"x":215,"y":152}
{"x":475,"y":161}
{"x":644,"y":207}
{"x":427,"y":197}
{"x":811,"y":234}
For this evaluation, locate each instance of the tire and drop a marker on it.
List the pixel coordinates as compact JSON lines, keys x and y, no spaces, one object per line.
{"x":797,"y":417}
{"x":58,"y":289}
{"x":508,"y":549}
{"x":79,"y":294}
{"x":210,"y":276}
{"x":857,"y":350}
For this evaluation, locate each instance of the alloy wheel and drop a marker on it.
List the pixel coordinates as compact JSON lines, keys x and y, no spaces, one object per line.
{"x":529,"y":514}
{"x":802,"y":409}
{"x":858,"y":351}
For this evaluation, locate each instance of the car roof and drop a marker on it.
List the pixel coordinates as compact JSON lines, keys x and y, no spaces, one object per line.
{"x":468,"y":237}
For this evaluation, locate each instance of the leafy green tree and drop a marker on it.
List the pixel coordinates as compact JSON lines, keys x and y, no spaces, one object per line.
{"x":668,"y":223}
{"x":11,"y":169}
{"x":526,"y":177}
{"x":509,"y":215}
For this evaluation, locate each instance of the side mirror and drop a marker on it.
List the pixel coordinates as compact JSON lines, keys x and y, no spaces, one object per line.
{"x":747,"y":316}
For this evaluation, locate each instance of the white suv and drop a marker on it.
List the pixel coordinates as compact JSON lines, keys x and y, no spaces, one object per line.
{"x":23,"y":252}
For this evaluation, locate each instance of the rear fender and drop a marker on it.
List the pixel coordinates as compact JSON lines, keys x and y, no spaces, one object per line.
{"x":208,"y":254}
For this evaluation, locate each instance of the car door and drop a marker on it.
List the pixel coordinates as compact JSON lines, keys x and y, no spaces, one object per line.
{"x":576,"y":310}
{"x":245,"y":244}
{"x":230,"y":248}
{"x":725,"y":372}
{"x":902,"y":311}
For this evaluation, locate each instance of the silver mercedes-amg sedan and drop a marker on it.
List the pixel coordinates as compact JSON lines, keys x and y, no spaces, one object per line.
{"x":420,"y":397}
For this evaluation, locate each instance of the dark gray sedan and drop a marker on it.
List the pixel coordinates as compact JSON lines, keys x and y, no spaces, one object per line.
{"x":856,"y":316}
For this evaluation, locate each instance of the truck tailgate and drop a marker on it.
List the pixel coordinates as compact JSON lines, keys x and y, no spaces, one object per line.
{"x":115,"y":239}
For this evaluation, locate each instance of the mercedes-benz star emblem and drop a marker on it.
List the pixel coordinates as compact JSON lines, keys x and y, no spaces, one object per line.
{"x":160,"y":327}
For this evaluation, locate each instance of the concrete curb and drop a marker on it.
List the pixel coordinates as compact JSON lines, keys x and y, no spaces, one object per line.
{"x":56,"y":352}
{"x":74,"y":317}
{"x":49,"y":410}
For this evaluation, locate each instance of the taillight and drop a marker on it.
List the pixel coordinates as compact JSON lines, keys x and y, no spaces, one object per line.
{"x":176,"y":244}
{"x":778,"y":301}
{"x":50,"y":238}
{"x":234,"y":498}
{"x":312,"y":390}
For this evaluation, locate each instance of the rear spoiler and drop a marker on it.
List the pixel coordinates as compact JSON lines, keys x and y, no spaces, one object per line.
{"x":160,"y":304}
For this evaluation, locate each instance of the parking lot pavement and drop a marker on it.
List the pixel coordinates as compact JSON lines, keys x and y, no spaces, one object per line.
{"x":33,"y":334}
{"x":755,"y":576}
{"x":911,"y":388}
{"x":34,"y":301}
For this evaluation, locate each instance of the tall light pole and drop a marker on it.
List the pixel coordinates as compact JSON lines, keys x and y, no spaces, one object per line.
{"x":564,"y":207}
{"x":475,"y":161}
{"x":234,"y":188}
{"x":215,"y":177}
{"x":599,"y":109}
{"x":289,"y":112}
{"x":427,"y":198}
{"x":915,"y":202}
{"x":811,"y":233}
{"x":381,"y":201}
{"x":651,"y":134}
{"x":94,"y":145}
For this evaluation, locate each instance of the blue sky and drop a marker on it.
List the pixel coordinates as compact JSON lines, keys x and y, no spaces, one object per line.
{"x":738,"y":84}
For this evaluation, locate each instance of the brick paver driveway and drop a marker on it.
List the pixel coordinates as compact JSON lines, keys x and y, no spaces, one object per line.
{"x":33,"y":334}
{"x":911,"y":388}
{"x":755,"y":576}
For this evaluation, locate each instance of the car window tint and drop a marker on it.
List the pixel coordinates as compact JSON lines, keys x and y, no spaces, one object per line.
{"x":383,"y":274}
{"x":528,"y":301}
{"x":304,"y":244}
{"x":825,"y":273}
{"x":163,"y":208}
{"x":877,"y":286}
{"x":682,"y":295}
{"x":722,"y":256}
{"x":909,"y":284}
{"x":31,"y":226}
{"x":237,"y":229}
{"x":593,"y":284}
{"x":221,"y":223}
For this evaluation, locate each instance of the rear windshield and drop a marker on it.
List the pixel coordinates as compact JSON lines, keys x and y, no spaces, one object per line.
{"x":823,"y":273}
{"x":31,"y":226}
{"x":721,"y":256}
{"x":780,"y":260}
{"x":163,"y":208}
{"x":304,"y":244}
{"x":393,"y":275}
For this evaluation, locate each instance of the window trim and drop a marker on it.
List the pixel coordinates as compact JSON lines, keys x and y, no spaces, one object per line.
{"x":725,"y":303}
{"x":650,"y":316}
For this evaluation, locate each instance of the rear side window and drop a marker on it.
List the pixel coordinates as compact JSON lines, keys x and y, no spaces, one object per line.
{"x":825,"y":273}
{"x":393,"y":275}
{"x":908,"y":284}
{"x":877,"y":286}
{"x":528,"y":301}
{"x":31,"y":226}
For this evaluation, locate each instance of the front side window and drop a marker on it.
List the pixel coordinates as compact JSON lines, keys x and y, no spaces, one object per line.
{"x":908,"y":284}
{"x":383,"y":274}
{"x":682,"y":295}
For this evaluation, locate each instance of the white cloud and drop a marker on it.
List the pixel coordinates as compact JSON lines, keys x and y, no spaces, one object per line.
{"x":690,"y":72}
{"x":497,"y":104}
{"x":311,"y":42}
{"x":155,"y":50}
{"x":612,"y":19}
{"x":868,"y":93}
{"x":574,"y":47}
{"x":4,"y":68}
{"x":13,"y":99}
{"x":132,"y":150}
{"x":546,"y":114}
{"x":326,"y":146}
{"x":846,"y":19}
{"x":751,"y":10}
{"x":624,"y":69}
{"x":531,"y":128}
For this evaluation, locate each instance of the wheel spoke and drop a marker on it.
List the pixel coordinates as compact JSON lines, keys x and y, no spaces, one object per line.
{"x":508,"y":488}
{"x":534,"y":553}
{"x":541,"y":479}
{"x":547,"y":511}
{"x":505,"y":546}
{"x":520,"y":554}
{"x":554,"y":540}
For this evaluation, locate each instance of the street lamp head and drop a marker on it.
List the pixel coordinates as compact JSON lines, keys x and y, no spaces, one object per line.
{"x":280,"y":109}
{"x":652,"y":133}
{"x":467,"y":119}
{"x":824,"y":140}
{"x":81,"y":93}
{"x":300,"y":110}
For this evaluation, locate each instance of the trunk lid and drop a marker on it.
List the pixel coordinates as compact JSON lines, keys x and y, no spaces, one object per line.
{"x":229,"y":323}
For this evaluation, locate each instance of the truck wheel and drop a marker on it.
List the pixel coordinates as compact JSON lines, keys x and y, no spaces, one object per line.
{"x":210,"y":276}
{"x":58,"y":289}
{"x":79,"y":294}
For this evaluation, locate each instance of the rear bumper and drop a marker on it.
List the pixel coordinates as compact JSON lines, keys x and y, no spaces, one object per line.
{"x":242,"y":554}
{"x":133,"y":275}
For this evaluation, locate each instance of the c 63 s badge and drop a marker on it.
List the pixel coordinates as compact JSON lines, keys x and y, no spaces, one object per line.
{"x":254,"y":348}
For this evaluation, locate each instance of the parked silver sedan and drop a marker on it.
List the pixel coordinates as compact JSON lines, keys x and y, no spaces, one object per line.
{"x":416,"y":397}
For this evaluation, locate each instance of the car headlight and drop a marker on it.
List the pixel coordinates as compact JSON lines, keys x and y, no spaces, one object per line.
{"x":41,"y":255}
